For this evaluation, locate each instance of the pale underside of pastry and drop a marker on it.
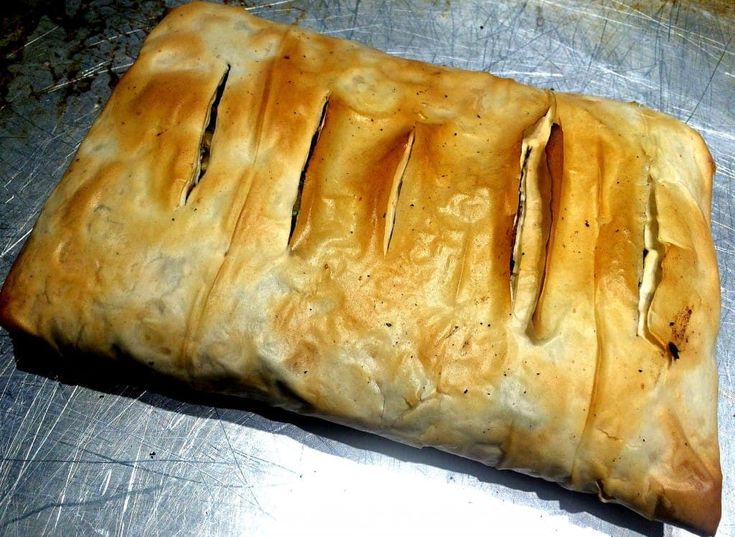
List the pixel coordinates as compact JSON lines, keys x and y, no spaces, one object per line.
{"x":442,"y":257}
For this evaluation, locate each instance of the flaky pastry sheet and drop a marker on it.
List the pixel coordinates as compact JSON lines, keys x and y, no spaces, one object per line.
{"x":442,"y":257}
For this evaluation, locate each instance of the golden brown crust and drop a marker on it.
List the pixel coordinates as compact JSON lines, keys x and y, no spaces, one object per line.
{"x":523,"y":278}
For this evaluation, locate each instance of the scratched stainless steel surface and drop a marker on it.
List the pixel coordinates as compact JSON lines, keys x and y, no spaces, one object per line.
{"x":90,"y":456}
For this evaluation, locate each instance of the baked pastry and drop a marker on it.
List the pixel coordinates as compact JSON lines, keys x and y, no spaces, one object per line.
{"x":442,"y":257}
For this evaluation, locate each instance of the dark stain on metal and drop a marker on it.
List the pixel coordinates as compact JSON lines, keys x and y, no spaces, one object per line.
{"x":72,"y":40}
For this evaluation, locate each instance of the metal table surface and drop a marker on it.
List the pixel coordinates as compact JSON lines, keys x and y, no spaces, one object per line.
{"x":102,"y":455}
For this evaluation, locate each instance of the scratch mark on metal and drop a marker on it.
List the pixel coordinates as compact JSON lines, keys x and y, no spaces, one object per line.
{"x":243,"y":479}
{"x":709,"y":81}
{"x":34,"y":40}
{"x":96,"y":502}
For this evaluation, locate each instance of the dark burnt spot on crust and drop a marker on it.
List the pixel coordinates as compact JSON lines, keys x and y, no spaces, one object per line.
{"x":680,"y":323}
{"x":673,"y":350}
{"x":679,"y":332}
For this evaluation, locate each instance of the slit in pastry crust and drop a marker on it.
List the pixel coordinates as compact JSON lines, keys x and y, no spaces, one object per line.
{"x":554,"y":155}
{"x":205,"y":143}
{"x":520,"y":215}
{"x":395,"y":192}
{"x":302,"y":179}
{"x":533,"y":222}
{"x":651,"y":271}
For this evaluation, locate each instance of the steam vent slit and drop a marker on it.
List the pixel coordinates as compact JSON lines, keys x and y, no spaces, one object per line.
{"x":554,"y":156}
{"x":302,"y":178}
{"x":395,"y":191}
{"x":532,"y":224}
{"x":205,"y":143}
{"x":651,"y":262}
{"x":515,"y":250}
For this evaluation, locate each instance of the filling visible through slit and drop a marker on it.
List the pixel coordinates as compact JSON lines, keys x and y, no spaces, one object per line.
{"x":395,"y":192}
{"x":205,"y":144}
{"x":302,"y":178}
{"x":651,"y":272}
{"x":518,"y":223}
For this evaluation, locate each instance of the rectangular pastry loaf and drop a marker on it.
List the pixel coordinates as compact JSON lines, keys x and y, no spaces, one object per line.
{"x":442,"y":257}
